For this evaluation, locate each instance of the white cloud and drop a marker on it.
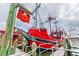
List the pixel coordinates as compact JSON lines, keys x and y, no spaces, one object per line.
{"x":66,"y":13}
{"x":4,"y":9}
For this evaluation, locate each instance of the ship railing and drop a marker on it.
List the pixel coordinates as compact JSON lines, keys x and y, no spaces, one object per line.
{"x":29,"y":53}
{"x":46,"y":49}
{"x":57,"y":48}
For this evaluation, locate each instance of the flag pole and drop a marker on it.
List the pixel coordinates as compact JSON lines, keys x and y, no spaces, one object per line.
{"x":8,"y":35}
{"x":25,"y":9}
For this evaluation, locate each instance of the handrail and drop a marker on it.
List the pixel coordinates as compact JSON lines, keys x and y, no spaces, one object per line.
{"x":44,"y":48}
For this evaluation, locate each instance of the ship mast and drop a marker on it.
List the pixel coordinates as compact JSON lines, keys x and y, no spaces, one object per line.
{"x":56,"y":25}
{"x":49,"y":19}
{"x":36,"y":16}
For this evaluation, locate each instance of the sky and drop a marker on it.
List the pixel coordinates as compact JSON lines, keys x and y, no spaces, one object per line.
{"x":67,"y":15}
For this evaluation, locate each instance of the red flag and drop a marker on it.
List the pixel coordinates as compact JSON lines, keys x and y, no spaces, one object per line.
{"x":23,"y":16}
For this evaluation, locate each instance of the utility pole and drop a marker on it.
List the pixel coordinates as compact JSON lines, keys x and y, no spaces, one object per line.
{"x":8,"y":35}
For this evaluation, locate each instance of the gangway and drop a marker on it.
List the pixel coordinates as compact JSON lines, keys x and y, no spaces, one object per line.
{"x":74,"y":41}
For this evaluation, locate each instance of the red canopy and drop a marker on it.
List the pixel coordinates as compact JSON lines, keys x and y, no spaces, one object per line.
{"x":40,"y":33}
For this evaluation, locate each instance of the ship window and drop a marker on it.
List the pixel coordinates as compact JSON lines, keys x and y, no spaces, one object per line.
{"x":59,"y":34}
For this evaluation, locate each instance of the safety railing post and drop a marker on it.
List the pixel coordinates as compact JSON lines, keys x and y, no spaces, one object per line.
{"x":52,"y":50}
{"x":39,"y":52}
{"x":34,"y":47}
